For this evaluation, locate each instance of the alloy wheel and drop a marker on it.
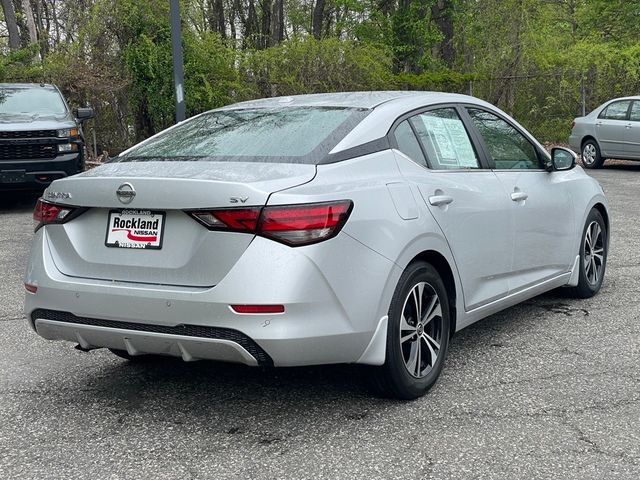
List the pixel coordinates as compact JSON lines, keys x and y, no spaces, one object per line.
{"x":589,"y":153}
{"x":593,"y":262}
{"x":421,"y":329}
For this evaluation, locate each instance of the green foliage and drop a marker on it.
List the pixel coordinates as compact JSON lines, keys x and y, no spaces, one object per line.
{"x":21,"y":66}
{"x":306,"y":65}
{"x":536,"y":59}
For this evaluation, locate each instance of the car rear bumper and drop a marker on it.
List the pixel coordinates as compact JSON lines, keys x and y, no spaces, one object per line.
{"x":36,"y":175}
{"x":321,"y":324}
{"x":574,"y":143}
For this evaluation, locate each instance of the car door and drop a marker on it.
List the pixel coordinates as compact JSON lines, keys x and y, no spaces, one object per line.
{"x":611,"y":128}
{"x":466,"y":200}
{"x":632,"y":131}
{"x":541,"y":205}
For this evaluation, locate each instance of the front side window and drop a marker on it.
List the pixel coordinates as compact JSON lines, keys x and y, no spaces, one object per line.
{"x":445,"y":139}
{"x":634,"y":115}
{"x":508,"y":148}
{"x":408,"y":144}
{"x":616,"y":111}
{"x":283,"y":135}
{"x":31,"y":101}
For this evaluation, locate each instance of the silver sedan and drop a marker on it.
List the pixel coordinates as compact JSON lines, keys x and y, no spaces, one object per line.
{"x":611,"y":131}
{"x":338,"y":228}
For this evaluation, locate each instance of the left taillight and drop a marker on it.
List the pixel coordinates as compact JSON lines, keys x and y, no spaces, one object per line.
{"x":46,"y":213}
{"x":293,"y":225}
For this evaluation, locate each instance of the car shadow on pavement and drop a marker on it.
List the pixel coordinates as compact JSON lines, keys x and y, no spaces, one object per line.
{"x":622,"y":165}
{"x":197,"y":389}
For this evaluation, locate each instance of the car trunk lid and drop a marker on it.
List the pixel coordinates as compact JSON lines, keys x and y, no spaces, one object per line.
{"x":189,"y":254}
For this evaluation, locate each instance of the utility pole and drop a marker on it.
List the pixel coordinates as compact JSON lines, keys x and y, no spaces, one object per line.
{"x":178,"y":69}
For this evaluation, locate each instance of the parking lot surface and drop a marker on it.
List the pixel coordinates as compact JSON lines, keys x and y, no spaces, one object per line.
{"x":547,"y":389}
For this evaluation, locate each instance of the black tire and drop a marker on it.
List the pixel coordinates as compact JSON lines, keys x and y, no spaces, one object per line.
{"x":592,"y":269}
{"x":591,"y":157}
{"x":393,"y":379}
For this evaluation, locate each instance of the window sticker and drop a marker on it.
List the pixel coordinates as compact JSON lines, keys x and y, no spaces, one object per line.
{"x":451,"y":142}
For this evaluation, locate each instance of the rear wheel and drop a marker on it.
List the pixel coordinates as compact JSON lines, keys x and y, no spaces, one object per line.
{"x":591,"y":157}
{"x":593,"y":256}
{"x":417,"y":334}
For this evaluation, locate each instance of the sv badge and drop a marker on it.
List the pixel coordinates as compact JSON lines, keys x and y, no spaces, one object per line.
{"x":238,"y":199}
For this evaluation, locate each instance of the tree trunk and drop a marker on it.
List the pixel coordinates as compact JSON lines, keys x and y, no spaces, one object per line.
{"x":251,"y":27}
{"x":265,"y":37}
{"x":215,"y":17}
{"x":31,"y":24}
{"x":318,"y":17}
{"x":442,"y":14}
{"x":12,"y":24}
{"x":277,"y":22}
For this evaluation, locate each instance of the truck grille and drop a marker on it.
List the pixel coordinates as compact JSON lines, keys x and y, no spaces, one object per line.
{"x":29,"y":134}
{"x":200,"y":331}
{"x":10,"y":151}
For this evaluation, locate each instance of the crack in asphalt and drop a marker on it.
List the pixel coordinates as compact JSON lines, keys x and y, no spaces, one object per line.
{"x":11,"y":319}
{"x":548,"y":377}
{"x":594,"y":447}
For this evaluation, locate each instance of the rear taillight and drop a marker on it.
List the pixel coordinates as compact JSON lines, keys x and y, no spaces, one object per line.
{"x":573,"y":124}
{"x":46,"y":213}
{"x":293,"y":225}
{"x":235,"y":219}
{"x":304,"y":224}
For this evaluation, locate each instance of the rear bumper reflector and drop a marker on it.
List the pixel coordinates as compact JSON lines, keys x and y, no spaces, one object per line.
{"x":257,"y":309}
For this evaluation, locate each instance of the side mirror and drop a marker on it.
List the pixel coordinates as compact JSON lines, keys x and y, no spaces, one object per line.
{"x":562,"y":159}
{"x":84,"y":113}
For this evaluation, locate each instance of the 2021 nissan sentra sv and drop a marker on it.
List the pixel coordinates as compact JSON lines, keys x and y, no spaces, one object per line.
{"x":336,"y":228}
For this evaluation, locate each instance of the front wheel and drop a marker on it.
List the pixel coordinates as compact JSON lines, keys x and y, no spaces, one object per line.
{"x":593,"y":256}
{"x":417,"y":334}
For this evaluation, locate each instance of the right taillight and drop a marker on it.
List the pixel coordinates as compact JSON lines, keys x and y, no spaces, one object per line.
{"x":304,"y":224}
{"x":294,"y":225}
{"x":46,"y":213}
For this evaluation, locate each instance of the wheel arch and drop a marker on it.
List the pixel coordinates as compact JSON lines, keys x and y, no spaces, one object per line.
{"x":440,"y":263}
{"x":585,"y":139}
{"x":605,"y":215}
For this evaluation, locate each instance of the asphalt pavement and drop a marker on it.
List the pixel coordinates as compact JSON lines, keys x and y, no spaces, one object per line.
{"x":547,"y":389}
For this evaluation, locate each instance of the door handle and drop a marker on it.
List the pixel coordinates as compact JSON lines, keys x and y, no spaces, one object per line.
{"x":628,"y":126}
{"x":519,"y":196}
{"x":439,"y":200}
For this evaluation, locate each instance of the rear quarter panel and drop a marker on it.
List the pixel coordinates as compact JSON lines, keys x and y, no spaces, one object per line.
{"x":386,"y":220}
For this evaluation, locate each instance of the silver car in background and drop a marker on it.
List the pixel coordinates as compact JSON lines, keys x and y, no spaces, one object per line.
{"x":336,"y":228}
{"x":611,"y":131}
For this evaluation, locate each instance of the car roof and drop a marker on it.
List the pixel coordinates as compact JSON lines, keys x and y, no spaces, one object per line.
{"x":368,"y":100}
{"x":633,"y":97}
{"x":27,"y":85}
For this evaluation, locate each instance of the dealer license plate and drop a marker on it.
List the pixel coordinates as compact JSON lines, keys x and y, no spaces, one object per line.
{"x":135,"y":229}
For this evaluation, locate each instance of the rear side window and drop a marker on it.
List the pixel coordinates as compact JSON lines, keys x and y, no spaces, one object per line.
{"x":445,"y":139}
{"x":408,"y":144}
{"x":509,"y":149}
{"x":616,"y":111}
{"x":634,"y":115}
{"x":284,"y":135}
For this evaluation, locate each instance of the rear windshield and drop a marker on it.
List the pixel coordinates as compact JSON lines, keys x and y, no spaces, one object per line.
{"x":284,"y":135}
{"x":36,"y":101}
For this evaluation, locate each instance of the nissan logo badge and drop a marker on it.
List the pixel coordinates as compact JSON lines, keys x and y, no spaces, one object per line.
{"x":126,"y":193}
